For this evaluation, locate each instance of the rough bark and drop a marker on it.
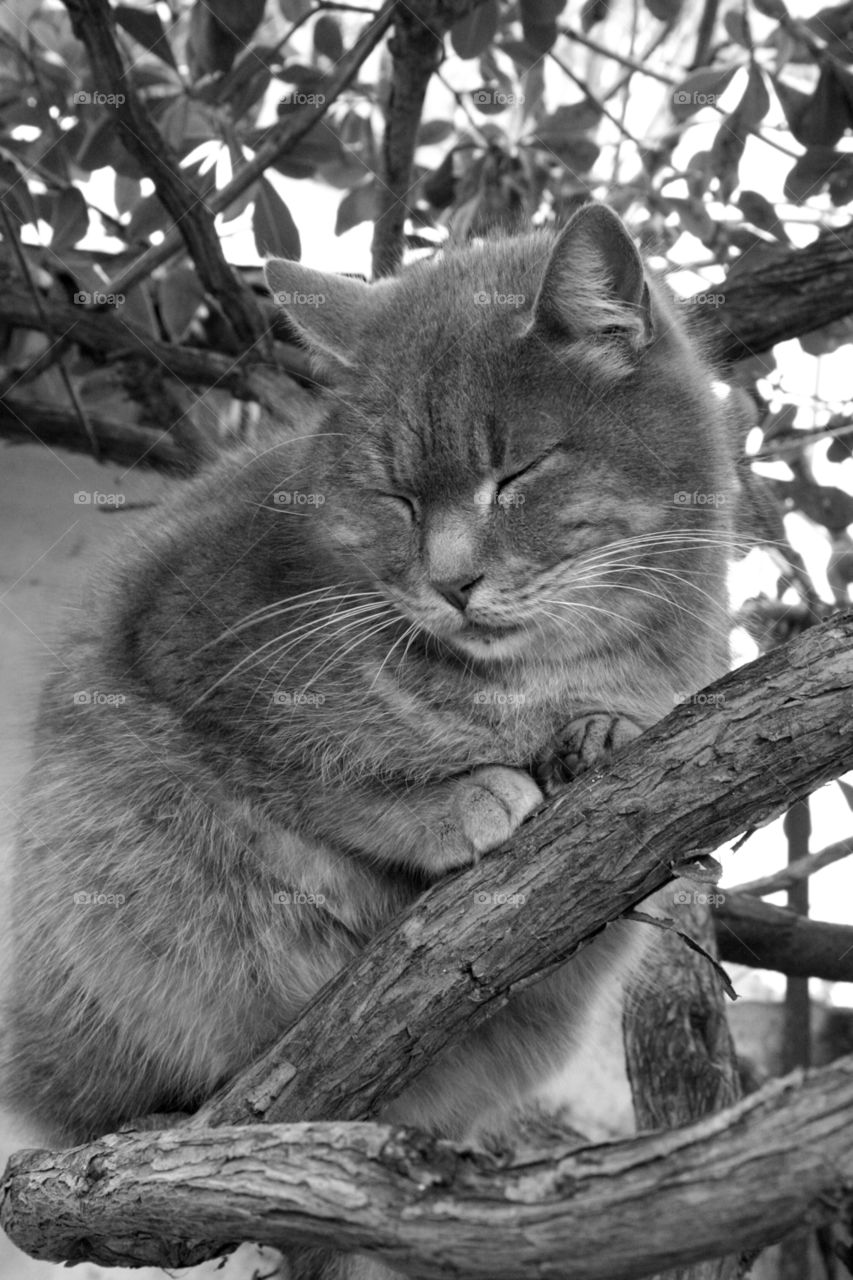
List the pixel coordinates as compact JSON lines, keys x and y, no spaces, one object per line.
{"x":778,"y":729}
{"x":799,"y":291}
{"x":416,"y":50}
{"x":776,"y":1161}
{"x":766,"y":937}
{"x":679,"y":1051}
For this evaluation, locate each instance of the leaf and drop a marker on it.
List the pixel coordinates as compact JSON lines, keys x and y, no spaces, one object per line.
{"x":328,"y":40}
{"x":523,"y":54}
{"x":846,"y":791}
{"x":476,"y":31}
{"x":439,"y":187}
{"x":665,"y":10}
{"x":726,"y":152}
{"x":593,"y":11}
{"x":69,"y":219}
{"x":835,"y":26}
{"x":180,"y":294}
{"x":539,"y":22}
{"x":828,"y":338}
{"x":274,"y":229}
{"x":433,"y":131}
{"x":736,"y":27}
{"x":295,"y":10}
{"x":573,"y":117}
{"x":700,"y":89}
{"x":758,"y":210}
{"x":817,"y":169}
{"x":819,"y":119}
{"x":15,"y":193}
{"x":147,"y":29}
{"x":357,"y":206}
{"x":755,"y":103}
{"x":577,"y":152}
{"x":148,"y":216}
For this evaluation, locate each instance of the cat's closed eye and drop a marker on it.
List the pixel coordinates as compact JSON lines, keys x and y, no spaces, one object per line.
{"x":404,"y":502}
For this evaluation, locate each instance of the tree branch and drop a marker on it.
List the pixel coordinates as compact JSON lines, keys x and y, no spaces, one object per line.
{"x":796,"y":871}
{"x":778,"y":729}
{"x":613,"y":1212}
{"x":765,"y":937}
{"x":109,"y":335}
{"x":799,"y":291}
{"x":92,"y":23}
{"x":416,"y":50}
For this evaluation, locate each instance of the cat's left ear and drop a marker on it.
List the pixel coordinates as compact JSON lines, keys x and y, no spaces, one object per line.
{"x":327,"y":311}
{"x":595,"y":286}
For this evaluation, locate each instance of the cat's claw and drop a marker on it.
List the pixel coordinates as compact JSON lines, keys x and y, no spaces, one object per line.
{"x":584,"y":743}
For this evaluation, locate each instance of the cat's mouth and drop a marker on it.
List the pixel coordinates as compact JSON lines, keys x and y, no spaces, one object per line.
{"x":488,"y":641}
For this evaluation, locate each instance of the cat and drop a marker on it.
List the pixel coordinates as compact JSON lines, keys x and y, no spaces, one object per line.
{"x":350,"y":663}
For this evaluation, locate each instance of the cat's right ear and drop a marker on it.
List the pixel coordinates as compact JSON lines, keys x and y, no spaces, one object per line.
{"x":594,"y":289}
{"x":327,"y":311}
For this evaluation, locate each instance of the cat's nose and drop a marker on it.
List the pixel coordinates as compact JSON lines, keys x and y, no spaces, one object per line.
{"x":458,"y":592}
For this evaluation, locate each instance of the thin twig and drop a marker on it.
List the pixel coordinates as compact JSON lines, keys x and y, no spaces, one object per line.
{"x":797,"y":871}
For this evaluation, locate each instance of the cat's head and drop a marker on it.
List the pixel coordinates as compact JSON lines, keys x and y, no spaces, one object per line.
{"x":505,"y":421}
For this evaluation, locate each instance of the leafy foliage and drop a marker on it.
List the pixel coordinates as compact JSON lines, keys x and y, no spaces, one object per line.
{"x":538,"y":105}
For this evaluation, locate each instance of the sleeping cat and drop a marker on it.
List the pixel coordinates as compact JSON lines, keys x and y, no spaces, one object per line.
{"x":349,"y":664}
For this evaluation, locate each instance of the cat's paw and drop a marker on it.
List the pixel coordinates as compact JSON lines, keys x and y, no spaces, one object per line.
{"x":584,"y":743}
{"x":487,"y":806}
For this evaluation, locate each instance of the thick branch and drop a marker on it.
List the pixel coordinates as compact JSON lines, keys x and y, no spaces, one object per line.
{"x":613,"y":1212}
{"x":765,"y":937}
{"x":107,"y":333}
{"x":777,"y":730}
{"x":416,"y":51}
{"x":93,"y":24}
{"x":799,"y":291}
{"x":34,"y":422}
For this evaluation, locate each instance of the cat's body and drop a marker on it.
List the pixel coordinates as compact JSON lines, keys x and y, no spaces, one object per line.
{"x":345,"y":693}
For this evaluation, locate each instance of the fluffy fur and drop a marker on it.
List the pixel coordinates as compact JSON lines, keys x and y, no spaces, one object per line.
{"x":482,"y":565}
